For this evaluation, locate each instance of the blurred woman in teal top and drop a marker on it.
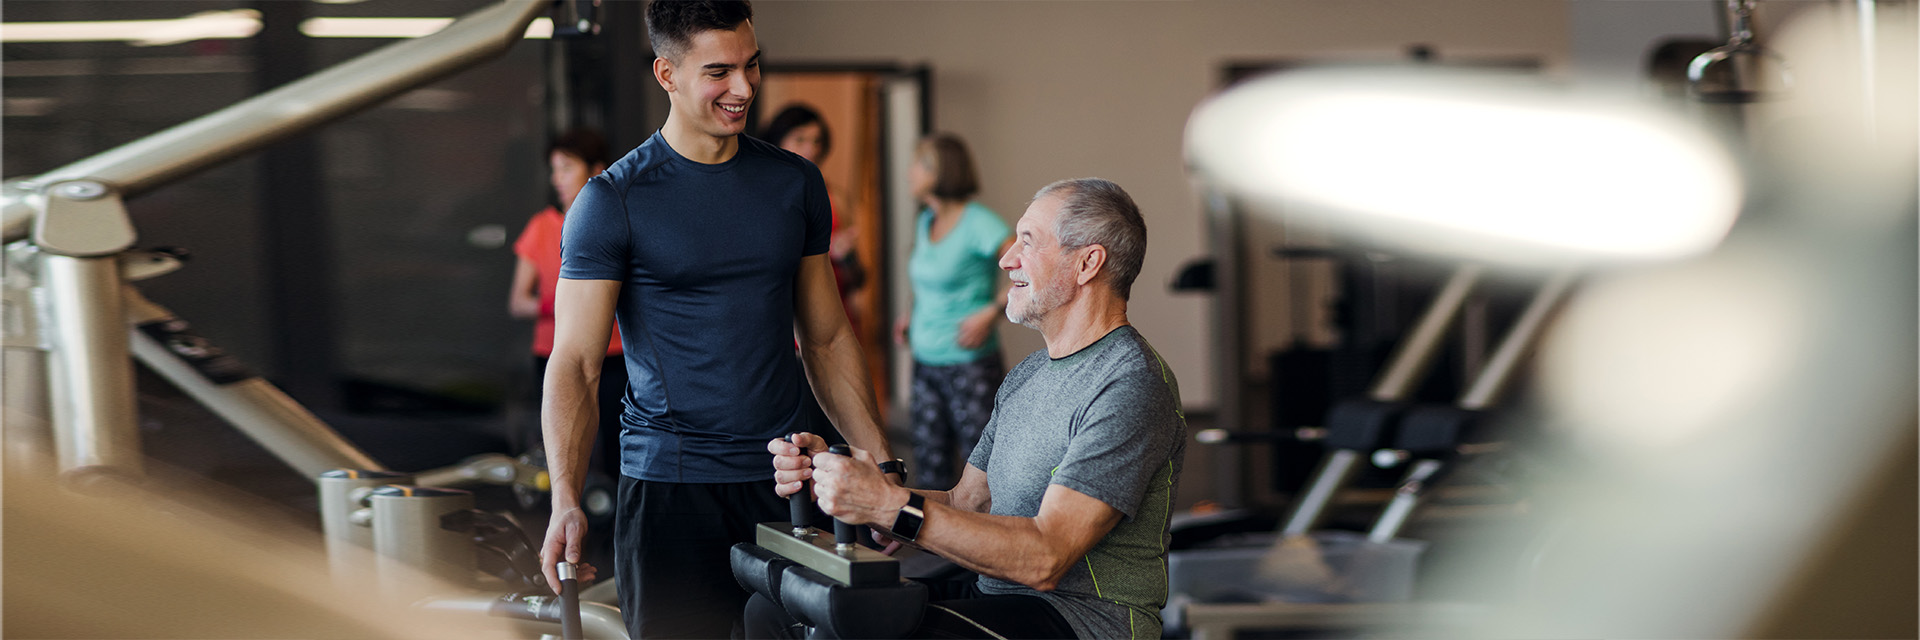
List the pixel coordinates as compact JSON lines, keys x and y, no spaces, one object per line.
{"x":958,"y":299}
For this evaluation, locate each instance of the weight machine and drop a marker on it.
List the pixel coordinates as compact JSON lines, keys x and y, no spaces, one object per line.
{"x":74,"y":323}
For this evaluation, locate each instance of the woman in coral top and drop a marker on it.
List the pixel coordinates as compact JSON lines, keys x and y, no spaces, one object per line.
{"x":574,"y":158}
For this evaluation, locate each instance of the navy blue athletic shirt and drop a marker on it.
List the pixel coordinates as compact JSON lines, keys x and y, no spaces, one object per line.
{"x":708,"y":254}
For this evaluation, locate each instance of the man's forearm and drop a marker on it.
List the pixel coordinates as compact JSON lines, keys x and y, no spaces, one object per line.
{"x":1006,"y":547}
{"x":569,"y":409}
{"x":840,"y":382}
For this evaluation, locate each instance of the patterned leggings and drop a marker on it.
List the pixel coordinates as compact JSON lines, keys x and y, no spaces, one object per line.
{"x":950,"y":407}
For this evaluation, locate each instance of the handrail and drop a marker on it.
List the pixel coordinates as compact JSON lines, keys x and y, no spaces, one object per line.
{"x":150,"y":162}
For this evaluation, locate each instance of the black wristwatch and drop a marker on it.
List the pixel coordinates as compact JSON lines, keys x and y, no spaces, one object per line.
{"x":895,"y":465}
{"x":906,"y":526}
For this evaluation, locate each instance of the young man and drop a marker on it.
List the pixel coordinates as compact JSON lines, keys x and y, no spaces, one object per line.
{"x":1063,"y":509}
{"x":711,"y":248}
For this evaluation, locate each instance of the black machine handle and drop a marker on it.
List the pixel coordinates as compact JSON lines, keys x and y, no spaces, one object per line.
{"x":569,"y":603}
{"x":843,"y":534}
{"x":797,"y":506}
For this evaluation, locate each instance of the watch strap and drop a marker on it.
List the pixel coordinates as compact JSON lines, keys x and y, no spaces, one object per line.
{"x":906,"y":525}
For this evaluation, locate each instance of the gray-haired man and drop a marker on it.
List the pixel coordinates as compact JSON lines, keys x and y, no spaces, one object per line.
{"x":1064,"y":505}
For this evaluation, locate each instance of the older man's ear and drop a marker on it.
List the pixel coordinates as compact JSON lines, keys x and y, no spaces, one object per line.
{"x":1089,"y":266}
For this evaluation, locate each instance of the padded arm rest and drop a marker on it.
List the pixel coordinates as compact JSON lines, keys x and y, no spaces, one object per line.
{"x":817,"y":601}
{"x":758,"y":570}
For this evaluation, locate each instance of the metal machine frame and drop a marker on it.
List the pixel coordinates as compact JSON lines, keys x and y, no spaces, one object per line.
{"x":73,"y":321}
{"x":68,"y":239}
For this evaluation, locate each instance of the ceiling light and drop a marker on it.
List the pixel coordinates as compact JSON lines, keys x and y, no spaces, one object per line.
{"x":540,"y":28}
{"x":237,"y":23}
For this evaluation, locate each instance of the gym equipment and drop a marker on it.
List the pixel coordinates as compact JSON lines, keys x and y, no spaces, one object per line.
{"x":1430,"y":436}
{"x":69,"y":261}
{"x":1356,"y":427}
{"x":539,"y":613}
{"x":74,"y":322}
{"x":1309,"y":568}
{"x":842,"y":560}
{"x":838,"y":589}
{"x":410,"y":529}
{"x":569,"y":602}
{"x":1741,"y":71}
{"x":346,"y":519}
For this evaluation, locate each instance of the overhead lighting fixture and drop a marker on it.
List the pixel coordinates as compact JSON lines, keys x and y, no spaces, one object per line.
{"x":1482,"y":166}
{"x":210,"y":25}
{"x":539,"y":29}
{"x":229,"y":25}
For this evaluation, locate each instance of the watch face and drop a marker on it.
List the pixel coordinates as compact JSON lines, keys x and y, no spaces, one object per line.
{"x":906,"y":525}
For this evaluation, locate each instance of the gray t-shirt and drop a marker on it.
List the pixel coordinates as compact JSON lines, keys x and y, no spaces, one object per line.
{"x":1106,"y":422}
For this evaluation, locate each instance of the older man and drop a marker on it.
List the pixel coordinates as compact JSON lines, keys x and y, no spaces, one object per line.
{"x":1064,"y":505}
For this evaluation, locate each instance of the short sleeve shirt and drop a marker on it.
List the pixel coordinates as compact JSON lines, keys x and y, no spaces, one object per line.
{"x":1104,"y":421}
{"x":707,"y":255}
{"x":953,"y":278}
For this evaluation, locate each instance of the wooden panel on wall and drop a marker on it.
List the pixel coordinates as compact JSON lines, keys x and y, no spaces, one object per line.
{"x":849,"y":103}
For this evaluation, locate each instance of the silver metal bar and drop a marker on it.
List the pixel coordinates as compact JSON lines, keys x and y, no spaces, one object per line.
{"x":598,"y":620}
{"x":1493,"y":378}
{"x":857,"y":566}
{"x":1335,"y":471}
{"x":1485,"y":390}
{"x":1407,"y":366}
{"x":411,"y":543}
{"x":149,"y":162}
{"x":1412,"y":491}
{"x":486,"y":468}
{"x":90,"y":382}
{"x":16,"y":212}
{"x":1740,"y":19}
{"x":346,"y":520}
{"x":1867,"y":18}
{"x":26,"y":429}
{"x":1414,"y":355}
{"x":253,"y":406}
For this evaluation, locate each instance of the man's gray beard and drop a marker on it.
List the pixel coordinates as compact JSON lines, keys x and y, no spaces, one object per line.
{"x":1043,"y":301}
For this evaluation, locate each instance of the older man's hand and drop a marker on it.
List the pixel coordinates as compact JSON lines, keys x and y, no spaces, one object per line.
{"x":852,"y":489}
{"x":793,"y":461}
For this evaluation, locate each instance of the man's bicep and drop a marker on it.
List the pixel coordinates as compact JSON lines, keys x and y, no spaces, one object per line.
{"x":583,"y":316}
{"x":1073,"y":519}
{"x":971,"y":492}
{"x":816,"y":299}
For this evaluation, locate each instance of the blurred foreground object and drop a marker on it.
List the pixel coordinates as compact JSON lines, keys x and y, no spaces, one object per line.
{"x":1480,"y":165}
{"x":122,"y":561}
{"x":1732,"y":430}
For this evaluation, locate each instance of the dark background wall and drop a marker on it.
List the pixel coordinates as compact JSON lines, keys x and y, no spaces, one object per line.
{"x":384,"y":254}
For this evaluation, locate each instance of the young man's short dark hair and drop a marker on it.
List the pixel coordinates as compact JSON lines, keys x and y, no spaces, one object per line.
{"x":671,"y":24}
{"x":585,"y":144}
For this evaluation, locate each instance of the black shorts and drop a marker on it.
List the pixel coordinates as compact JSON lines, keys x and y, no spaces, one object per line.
{"x":670,"y":547}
